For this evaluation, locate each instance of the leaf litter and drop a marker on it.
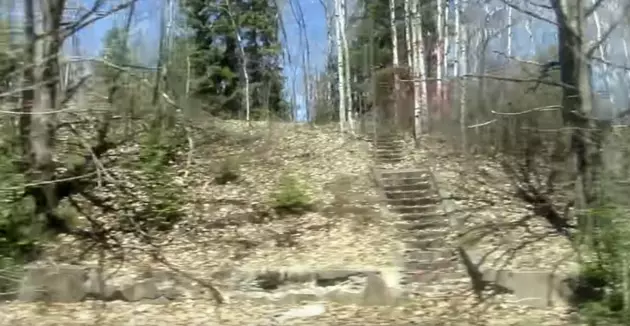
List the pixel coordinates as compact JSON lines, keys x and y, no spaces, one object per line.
{"x":233,"y":226}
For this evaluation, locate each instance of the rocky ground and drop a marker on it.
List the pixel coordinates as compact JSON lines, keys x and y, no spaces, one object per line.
{"x":231,"y":229}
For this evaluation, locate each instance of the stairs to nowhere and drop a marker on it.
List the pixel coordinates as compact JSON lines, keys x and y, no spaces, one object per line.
{"x":431,"y":268}
{"x":388,"y":148}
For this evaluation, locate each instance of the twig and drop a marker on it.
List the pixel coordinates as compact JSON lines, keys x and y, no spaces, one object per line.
{"x":216,"y":294}
{"x":539,"y":109}
{"x":189,"y":159}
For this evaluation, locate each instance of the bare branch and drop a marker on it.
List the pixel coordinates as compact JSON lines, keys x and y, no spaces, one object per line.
{"x":609,"y":31}
{"x":91,"y":17}
{"x":529,"y":12}
{"x":592,"y":9}
{"x":521,"y":80}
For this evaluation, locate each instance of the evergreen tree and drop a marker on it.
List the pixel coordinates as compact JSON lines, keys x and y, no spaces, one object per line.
{"x":216,"y":60}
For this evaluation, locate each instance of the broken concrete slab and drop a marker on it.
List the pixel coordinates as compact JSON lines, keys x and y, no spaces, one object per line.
{"x":534,"y":288}
{"x":145,"y":289}
{"x":382,"y":290}
{"x":72,"y":283}
{"x":271,"y":279}
{"x":63,"y":283}
{"x":307,"y":311}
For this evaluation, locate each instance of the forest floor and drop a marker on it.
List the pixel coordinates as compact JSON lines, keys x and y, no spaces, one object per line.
{"x":232,"y":227}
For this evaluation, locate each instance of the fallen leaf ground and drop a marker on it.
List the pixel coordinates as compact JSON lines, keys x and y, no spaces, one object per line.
{"x":232,"y":226}
{"x":456,"y":311}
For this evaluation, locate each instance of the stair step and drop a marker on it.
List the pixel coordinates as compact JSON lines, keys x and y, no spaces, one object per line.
{"x":436,"y":265}
{"x":421,"y":225}
{"x":414,"y":189}
{"x":436,"y":276}
{"x":423,"y":217}
{"x":388,"y":142}
{"x":406,"y":174}
{"x":427,"y":234}
{"x":429,"y":255}
{"x":416,"y":209}
{"x":387,"y":135}
{"x":385,"y":138}
{"x":393,"y":145}
{"x":425,"y":243}
{"x":390,"y":160}
{"x":418,"y":183}
{"x":380,"y":151}
{"x":436,"y":291}
{"x":389,"y":155}
{"x":412,"y":201}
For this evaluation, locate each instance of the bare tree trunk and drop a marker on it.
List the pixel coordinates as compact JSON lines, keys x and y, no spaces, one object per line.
{"x":420,"y":84}
{"x":601,"y":49}
{"x":577,"y":106}
{"x":395,"y":62}
{"x":46,"y":101}
{"x":28,"y":80}
{"x":447,"y":36}
{"x":413,"y":49}
{"x":462,"y":61}
{"x":346,"y":56}
{"x":340,"y":68}
{"x":244,"y":63}
{"x":408,"y":36}
{"x":439,"y":50}
{"x":160,"y":64}
{"x":458,"y":39}
{"x":530,"y":34}
{"x":510,"y":21}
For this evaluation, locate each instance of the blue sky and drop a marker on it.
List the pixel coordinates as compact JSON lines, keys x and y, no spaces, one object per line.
{"x":146,"y":36}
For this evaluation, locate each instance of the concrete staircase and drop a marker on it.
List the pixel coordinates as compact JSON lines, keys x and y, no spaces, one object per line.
{"x":388,"y":148}
{"x":431,"y":267}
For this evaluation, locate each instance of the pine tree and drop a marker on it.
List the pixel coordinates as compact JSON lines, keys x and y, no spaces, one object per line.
{"x":216,"y":59}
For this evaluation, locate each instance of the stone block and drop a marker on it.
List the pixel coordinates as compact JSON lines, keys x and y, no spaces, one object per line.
{"x":533,"y":288}
{"x":59,"y":283}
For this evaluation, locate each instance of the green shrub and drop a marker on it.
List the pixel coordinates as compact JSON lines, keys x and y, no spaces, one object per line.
{"x":605,"y":267}
{"x":19,"y":229}
{"x":291,"y":196}
{"x":161,"y":205}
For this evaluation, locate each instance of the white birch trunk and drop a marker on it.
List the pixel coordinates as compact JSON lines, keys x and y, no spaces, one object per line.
{"x":447,"y":36}
{"x":346,"y":64}
{"x":439,"y":51}
{"x":395,"y":62}
{"x":245,"y":74}
{"x":458,"y":39}
{"x":244,"y":62}
{"x":420,"y":85}
{"x":602,"y":51}
{"x":408,"y":36}
{"x":509,"y":31}
{"x":530,"y":33}
{"x":340,"y":68}
{"x":626,"y":73}
{"x":462,"y":60}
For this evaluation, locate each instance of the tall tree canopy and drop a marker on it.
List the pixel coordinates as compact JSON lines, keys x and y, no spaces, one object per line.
{"x":216,"y":57}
